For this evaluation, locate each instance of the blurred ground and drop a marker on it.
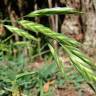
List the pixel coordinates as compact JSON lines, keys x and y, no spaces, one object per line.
{"x":68,"y":89}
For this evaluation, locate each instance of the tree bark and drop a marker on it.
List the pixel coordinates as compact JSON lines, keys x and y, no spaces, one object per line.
{"x":84,"y":24}
{"x":89,"y":23}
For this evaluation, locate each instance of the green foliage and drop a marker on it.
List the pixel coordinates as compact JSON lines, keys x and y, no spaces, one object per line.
{"x":15,"y":76}
{"x":38,"y":78}
{"x":79,"y":59}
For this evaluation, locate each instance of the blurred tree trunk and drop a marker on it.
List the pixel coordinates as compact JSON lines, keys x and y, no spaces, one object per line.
{"x":89,"y":23}
{"x":53,"y":21}
{"x":71,"y":25}
{"x":82,"y":27}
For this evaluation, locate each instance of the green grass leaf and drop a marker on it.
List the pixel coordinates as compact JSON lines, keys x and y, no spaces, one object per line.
{"x":48,"y":32}
{"x":82,"y":64}
{"x":60,"y":65}
{"x":52,"y":11}
{"x":20,"y":32}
